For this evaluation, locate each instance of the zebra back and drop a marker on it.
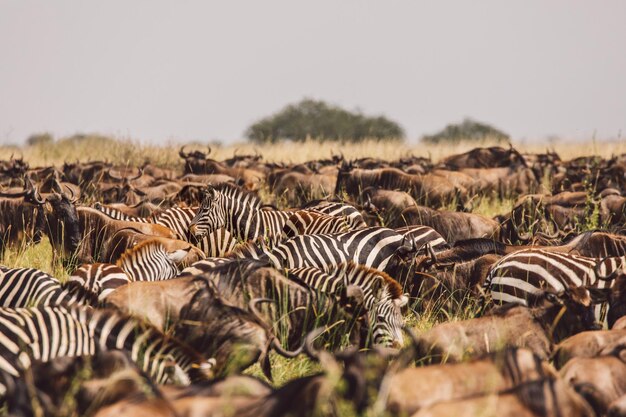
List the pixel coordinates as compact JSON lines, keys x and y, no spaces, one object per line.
{"x":29,"y":287}
{"x":120,"y":215}
{"x":422,"y":235}
{"x":99,"y":279}
{"x":148,"y":261}
{"x":352,"y":216}
{"x":309,"y":222}
{"x":518,"y":275}
{"x":46,"y":333}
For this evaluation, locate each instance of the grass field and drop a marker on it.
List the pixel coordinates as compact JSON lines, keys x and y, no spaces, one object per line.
{"x":128,"y":152}
{"x":132,"y":152}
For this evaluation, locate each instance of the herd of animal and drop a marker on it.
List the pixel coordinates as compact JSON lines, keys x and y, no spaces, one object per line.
{"x":181,"y":281}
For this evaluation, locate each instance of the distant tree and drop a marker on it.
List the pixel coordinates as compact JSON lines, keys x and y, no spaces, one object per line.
{"x":319,"y":120}
{"x":40,"y":139}
{"x":468,"y":130}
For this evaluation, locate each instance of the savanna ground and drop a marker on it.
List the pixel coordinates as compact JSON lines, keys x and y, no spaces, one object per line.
{"x":124,"y":151}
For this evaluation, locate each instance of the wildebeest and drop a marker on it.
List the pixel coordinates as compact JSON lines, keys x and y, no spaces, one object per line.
{"x":513,"y":325}
{"x":451,"y":225}
{"x":431,"y":190}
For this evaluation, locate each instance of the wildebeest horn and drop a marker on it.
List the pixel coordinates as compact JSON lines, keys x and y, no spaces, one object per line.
{"x":210,"y":150}
{"x":56,"y":186}
{"x":114,"y":174}
{"x":14,"y":195}
{"x":309,"y":348}
{"x":182,"y":153}
{"x":138,"y":175}
{"x":275,"y":343}
{"x":525,"y":236}
{"x":608,"y":277}
{"x":73,"y":197}
{"x":37,"y":197}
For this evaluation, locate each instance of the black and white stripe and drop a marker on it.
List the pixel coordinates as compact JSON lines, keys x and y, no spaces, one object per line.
{"x":529,"y":271}
{"x":382,"y":295}
{"x":239,"y":212}
{"x":149,"y":261}
{"x":30,"y":287}
{"x":374,"y":247}
{"x":350,"y":214}
{"x":309,"y":222}
{"x":297,"y":308}
{"x":46,"y":333}
{"x":217,"y":243}
{"x":99,"y":279}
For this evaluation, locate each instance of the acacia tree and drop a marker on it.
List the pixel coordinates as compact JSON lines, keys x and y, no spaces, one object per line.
{"x":319,"y":120}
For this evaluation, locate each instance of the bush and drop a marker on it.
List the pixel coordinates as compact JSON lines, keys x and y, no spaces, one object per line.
{"x":319,"y":120}
{"x":468,"y":130}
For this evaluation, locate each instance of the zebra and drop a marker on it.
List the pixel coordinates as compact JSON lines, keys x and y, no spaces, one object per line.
{"x":382,"y":295}
{"x":29,"y":287}
{"x":528,"y":271}
{"x":297,"y":308}
{"x":423,"y":235}
{"x":351,"y":216}
{"x":100,"y":279}
{"x":308,"y":222}
{"x":146,"y":261}
{"x":240,"y":212}
{"x":45,"y":333}
{"x":178,"y":219}
{"x":377,"y":247}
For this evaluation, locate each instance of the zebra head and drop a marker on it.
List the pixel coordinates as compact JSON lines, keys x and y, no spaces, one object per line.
{"x":210,"y":216}
{"x":388,"y":321}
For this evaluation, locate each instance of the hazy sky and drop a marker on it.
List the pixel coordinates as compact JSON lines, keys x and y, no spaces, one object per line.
{"x":202,"y":70}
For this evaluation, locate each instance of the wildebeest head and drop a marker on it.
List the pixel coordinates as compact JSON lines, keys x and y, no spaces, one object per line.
{"x":573,"y":310}
{"x":217,"y":329}
{"x":62,"y":224}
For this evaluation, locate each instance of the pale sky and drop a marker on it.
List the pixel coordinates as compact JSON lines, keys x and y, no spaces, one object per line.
{"x":205,"y":70}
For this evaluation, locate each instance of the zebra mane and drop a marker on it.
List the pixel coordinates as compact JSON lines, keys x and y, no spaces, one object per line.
{"x":146,"y":246}
{"x":236,"y":192}
{"x":391,"y":285}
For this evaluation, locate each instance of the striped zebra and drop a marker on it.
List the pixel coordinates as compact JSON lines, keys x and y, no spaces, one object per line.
{"x":309,"y":222}
{"x":296,"y":309}
{"x":238,"y":211}
{"x":30,"y":287}
{"x":146,"y":261}
{"x":423,"y":235}
{"x":45,"y":333}
{"x":178,"y":219}
{"x":350,"y":214}
{"x":99,"y":279}
{"x":382,"y":295}
{"x":528,"y":271}
{"x":377,"y":247}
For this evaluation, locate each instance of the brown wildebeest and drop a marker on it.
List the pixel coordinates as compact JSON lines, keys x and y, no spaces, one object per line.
{"x":451,"y":225}
{"x":513,"y":325}
{"x":602,"y":379}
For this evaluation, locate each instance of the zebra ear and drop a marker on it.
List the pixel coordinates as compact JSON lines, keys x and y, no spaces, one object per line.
{"x":178,"y":255}
{"x":208,"y":193}
{"x":402,"y":301}
{"x":599,"y":295}
{"x":355,"y":295}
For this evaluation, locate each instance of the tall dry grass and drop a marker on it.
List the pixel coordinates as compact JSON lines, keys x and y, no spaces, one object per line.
{"x":128,"y":151}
